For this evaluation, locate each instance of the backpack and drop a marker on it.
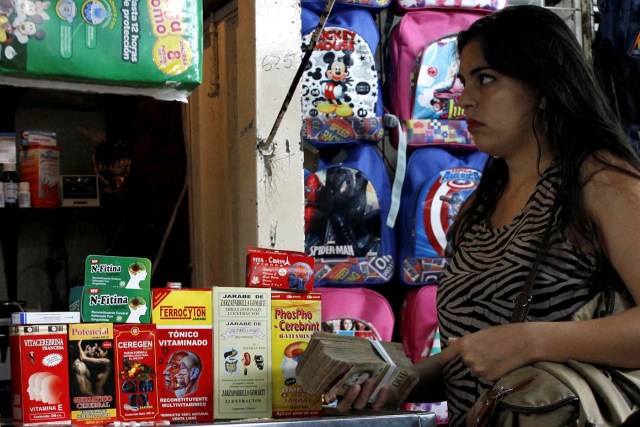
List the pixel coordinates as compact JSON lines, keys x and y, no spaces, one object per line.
{"x":419,"y":322}
{"x":341,"y":91}
{"x":403,"y":6}
{"x":346,"y":207}
{"x":617,"y":60}
{"x":359,"y":312}
{"x":371,"y":5}
{"x":436,"y":185}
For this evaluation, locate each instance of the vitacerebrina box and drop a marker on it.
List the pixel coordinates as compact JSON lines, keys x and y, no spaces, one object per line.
{"x":136,"y":373}
{"x":39,"y":374}
{"x":92,"y":374}
{"x":295,"y":317}
{"x":184,"y":337}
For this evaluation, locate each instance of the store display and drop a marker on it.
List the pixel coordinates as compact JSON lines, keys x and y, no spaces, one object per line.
{"x":278,"y":269}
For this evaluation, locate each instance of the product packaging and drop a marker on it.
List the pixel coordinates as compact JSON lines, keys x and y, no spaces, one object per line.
{"x":8,"y":148}
{"x":242,"y":352}
{"x":118,"y":272}
{"x":40,"y":167}
{"x":39,"y":374}
{"x":278,"y":269}
{"x":136,"y":373}
{"x":44,"y":317}
{"x":295,"y":317}
{"x":108,"y":304}
{"x":184,"y":338}
{"x":92,"y":374}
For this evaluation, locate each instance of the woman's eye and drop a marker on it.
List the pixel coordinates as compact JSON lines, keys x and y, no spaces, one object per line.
{"x":485,"y":78}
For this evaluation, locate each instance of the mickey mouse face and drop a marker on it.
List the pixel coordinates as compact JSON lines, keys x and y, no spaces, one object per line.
{"x":337,"y":71}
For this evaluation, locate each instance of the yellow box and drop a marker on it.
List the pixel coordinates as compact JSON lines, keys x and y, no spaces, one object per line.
{"x":295,"y":317}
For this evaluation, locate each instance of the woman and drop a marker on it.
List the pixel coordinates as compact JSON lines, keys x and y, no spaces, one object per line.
{"x":558,"y":154}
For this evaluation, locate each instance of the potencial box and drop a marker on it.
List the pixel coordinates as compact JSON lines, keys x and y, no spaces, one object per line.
{"x":184,"y":338}
{"x":107,"y":304}
{"x":92,"y":379}
{"x":119,"y":272}
{"x":136,"y":373}
{"x":295,"y":317}
{"x":280,"y":270}
{"x":39,"y":374}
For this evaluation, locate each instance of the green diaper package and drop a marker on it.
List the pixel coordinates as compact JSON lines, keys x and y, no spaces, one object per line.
{"x":99,"y":45}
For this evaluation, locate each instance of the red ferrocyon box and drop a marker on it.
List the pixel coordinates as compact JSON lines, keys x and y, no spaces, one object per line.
{"x":279,"y":269}
{"x":136,"y":373}
{"x":39,"y":374}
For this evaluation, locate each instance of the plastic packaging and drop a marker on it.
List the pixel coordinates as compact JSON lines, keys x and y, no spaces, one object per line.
{"x":24,"y":195}
{"x":10,"y":183}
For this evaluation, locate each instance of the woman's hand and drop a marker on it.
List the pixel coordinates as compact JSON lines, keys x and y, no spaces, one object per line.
{"x":495,"y":351}
{"x":358,"y":396}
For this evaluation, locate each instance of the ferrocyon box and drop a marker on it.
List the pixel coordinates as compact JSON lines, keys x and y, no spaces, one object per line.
{"x":92,"y":374}
{"x":184,"y":322}
{"x":39,"y":374}
{"x":295,"y":317}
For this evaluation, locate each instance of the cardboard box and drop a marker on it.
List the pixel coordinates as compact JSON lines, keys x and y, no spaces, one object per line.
{"x":295,"y":317}
{"x":108,"y":304}
{"x":184,"y":338}
{"x":136,"y":373}
{"x":40,"y":167}
{"x":281,"y":270}
{"x":44,"y":317}
{"x":8,"y":148}
{"x":118,"y":272}
{"x":242,"y":352}
{"x":39,"y":374}
{"x":92,"y":376}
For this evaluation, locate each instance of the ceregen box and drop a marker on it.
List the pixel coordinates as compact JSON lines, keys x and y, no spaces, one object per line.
{"x":39,"y":374}
{"x":92,"y":374}
{"x":280,"y":270}
{"x":295,"y":317}
{"x":184,"y":337}
{"x":136,"y":373}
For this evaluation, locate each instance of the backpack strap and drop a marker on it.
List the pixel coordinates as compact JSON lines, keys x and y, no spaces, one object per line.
{"x":401,"y":166}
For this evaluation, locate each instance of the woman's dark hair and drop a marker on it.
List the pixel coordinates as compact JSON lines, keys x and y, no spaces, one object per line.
{"x":535,"y":45}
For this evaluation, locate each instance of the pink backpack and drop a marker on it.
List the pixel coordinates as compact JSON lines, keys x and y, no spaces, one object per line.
{"x":408,"y":5}
{"x":360,"y":312}
{"x":419,"y":322}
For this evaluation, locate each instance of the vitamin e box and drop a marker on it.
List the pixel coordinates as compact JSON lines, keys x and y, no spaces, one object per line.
{"x":92,"y":374}
{"x":280,"y":270}
{"x":39,"y":374}
{"x":184,"y":338}
{"x":295,"y":317}
{"x":242,"y":352}
{"x":136,"y":373}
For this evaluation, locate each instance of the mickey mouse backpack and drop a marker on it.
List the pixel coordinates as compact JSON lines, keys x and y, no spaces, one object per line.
{"x":341,"y":93}
{"x":346,"y":207}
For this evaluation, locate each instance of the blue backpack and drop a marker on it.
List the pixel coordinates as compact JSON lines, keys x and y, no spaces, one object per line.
{"x":341,"y":90}
{"x":436,"y":184}
{"x":346,"y":207}
{"x":371,"y":5}
{"x":617,"y":59}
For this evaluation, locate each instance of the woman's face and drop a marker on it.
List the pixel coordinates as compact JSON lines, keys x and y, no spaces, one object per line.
{"x":499,"y":109}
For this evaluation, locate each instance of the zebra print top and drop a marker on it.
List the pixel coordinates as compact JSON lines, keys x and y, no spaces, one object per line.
{"x":490,"y":267}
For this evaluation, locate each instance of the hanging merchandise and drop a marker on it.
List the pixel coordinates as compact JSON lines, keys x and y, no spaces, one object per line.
{"x":150,"y":48}
{"x":409,"y":5}
{"x":371,"y":5}
{"x":346,"y":207}
{"x":341,"y":93}
{"x":617,"y":60}
{"x":437,"y":183}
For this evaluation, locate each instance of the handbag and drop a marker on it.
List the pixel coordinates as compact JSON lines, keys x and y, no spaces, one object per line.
{"x":561,"y":394}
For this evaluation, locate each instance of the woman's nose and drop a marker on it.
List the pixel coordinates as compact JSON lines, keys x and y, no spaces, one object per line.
{"x":466,"y":99}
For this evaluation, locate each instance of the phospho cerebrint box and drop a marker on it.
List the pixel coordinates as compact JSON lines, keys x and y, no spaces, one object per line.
{"x":39,"y":374}
{"x":242,"y":352}
{"x":92,"y":374}
{"x":295,"y":317}
{"x":184,"y":337}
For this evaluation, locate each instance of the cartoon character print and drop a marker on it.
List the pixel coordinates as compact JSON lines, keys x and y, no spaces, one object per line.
{"x":336,"y":85}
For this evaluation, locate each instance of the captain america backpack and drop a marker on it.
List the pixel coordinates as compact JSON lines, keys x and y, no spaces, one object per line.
{"x":341,"y":93}
{"x":346,"y":207}
{"x":436,"y":185}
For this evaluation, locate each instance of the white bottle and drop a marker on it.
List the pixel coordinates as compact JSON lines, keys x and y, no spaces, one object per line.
{"x":24,"y":195}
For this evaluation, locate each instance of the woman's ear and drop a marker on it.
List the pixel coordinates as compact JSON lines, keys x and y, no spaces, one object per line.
{"x":543,"y":103}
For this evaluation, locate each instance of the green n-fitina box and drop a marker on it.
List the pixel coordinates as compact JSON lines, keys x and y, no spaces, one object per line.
{"x":107,"y":304}
{"x":119,"y":272}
